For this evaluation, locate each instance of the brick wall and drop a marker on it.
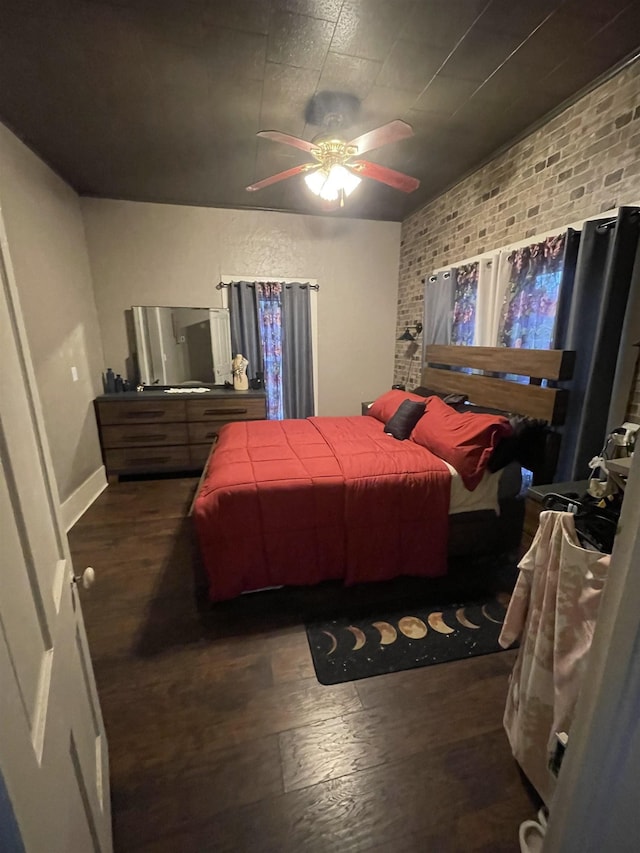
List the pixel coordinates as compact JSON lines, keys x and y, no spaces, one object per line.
{"x":583,"y":161}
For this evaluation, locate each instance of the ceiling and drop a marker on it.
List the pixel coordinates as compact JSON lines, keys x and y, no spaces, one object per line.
{"x":160,"y":100}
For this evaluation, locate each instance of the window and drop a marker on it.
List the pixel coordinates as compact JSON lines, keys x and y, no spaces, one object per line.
{"x":273,"y":325}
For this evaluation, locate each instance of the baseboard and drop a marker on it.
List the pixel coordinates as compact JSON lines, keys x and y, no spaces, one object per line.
{"x":79,"y":501}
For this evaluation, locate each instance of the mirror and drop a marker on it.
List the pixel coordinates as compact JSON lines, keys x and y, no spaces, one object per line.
{"x":179,"y":345}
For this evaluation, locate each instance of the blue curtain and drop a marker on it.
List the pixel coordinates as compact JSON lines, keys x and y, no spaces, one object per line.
{"x":529,"y":310}
{"x":271,"y":327}
{"x":540,"y":278}
{"x":465,"y":297}
{"x":269,"y":297}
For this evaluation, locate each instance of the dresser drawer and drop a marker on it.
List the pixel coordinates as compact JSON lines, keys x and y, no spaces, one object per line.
{"x":143,"y":434}
{"x":206,"y":431}
{"x":145,"y":459}
{"x":141,"y":412}
{"x":251,"y":409}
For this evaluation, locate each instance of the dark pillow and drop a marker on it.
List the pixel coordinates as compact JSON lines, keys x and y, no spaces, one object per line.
{"x":406,"y":417}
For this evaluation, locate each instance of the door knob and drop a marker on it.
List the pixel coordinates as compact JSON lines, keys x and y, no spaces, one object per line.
{"x":87,"y":577}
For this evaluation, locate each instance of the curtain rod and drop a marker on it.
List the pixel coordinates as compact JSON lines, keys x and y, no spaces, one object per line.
{"x":434,"y":276}
{"x":222,"y":284}
{"x":602,"y":226}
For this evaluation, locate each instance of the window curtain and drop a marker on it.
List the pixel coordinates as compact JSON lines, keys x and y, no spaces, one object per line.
{"x":528,"y":316}
{"x":463,"y":326}
{"x":271,"y":327}
{"x":438,"y":307}
{"x":596,"y":326}
{"x":463,"y":305}
{"x":269,"y":297}
{"x":245,"y":333}
{"x":297,"y":360}
{"x":492,"y":284}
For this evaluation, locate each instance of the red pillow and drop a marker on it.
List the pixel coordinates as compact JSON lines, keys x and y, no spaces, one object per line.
{"x":463,"y":439}
{"x":387,"y":404}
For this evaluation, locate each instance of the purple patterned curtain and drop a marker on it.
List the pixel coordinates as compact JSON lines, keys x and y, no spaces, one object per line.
{"x":270,"y":321}
{"x":464,"y":305}
{"x":530,"y":305}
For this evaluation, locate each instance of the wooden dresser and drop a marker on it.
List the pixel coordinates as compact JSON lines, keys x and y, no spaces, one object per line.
{"x":151,"y":432}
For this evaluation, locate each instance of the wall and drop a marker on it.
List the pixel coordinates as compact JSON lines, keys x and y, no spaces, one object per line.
{"x":155,"y":254}
{"x":585,"y":160}
{"x":46,"y":242}
{"x":633,"y":408}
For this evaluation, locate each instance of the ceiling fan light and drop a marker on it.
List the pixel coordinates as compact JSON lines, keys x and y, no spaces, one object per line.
{"x":341,"y":180}
{"x":315,"y":181}
{"x":329,"y":192}
{"x":330,"y":185}
{"x":349,"y":179}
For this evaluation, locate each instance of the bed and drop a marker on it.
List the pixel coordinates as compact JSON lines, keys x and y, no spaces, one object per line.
{"x":303,"y":501}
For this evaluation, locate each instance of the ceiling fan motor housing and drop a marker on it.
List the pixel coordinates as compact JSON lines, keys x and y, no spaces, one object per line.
{"x":332,"y":152}
{"x":323,"y":108}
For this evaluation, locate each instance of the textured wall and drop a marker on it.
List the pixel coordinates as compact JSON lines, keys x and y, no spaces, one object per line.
{"x":634,"y":399}
{"x":160,"y":254}
{"x":585,"y":160}
{"x":45,"y":234}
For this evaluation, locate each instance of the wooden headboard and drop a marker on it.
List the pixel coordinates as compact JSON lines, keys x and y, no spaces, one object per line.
{"x":487,"y":389}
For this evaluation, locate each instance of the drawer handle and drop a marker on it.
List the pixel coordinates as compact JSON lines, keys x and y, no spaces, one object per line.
{"x":211,"y":435}
{"x":158,"y":437}
{"x":225,"y":411}
{"x":149,"y":413}
{"x":148,"y":460}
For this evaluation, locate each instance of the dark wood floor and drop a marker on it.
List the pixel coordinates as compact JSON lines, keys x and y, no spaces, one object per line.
{"x":221,"y":739}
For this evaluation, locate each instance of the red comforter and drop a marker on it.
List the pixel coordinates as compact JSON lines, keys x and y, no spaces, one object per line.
{"x":302,"y":501}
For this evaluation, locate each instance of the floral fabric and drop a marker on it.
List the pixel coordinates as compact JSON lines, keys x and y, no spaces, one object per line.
{"x":529,"y":310}
{"x":270,"y":321}
{"x":553,"y":611}
{"x":464,"y":305}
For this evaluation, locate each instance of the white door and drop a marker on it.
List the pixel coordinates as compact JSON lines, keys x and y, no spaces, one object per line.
{"x":53,"y":750}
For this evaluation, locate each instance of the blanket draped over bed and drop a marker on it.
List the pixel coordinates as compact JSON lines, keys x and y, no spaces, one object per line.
{"x":296,"y":502}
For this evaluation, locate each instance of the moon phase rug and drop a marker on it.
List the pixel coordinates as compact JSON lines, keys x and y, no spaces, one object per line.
{"x":346,"y":650}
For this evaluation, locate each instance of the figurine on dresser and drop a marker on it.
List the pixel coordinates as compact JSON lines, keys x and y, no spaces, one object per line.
{"x":239,"y":368}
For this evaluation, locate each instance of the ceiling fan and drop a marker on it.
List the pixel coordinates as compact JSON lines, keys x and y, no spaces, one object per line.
{"x":337,"y":172}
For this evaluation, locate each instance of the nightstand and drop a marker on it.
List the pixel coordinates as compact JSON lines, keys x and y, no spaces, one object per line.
{"x":533,"y":504}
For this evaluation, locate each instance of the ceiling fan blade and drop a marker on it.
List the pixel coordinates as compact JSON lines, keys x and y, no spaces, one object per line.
{"x":287,"y":139}
{"x":383,"y":135}
{"x":281,"y":176}
{"x":397,"y":180}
